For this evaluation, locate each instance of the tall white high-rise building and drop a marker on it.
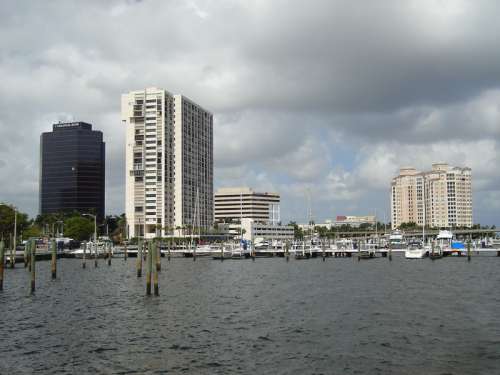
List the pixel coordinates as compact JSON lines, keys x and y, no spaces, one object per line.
{"x":169,"y":163}
{"x":439,"y":198}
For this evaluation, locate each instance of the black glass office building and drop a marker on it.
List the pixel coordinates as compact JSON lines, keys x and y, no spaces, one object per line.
{"x":72,"y":169}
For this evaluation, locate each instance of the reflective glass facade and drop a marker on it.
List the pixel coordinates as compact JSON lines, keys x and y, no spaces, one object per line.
{"x":72,"y":169}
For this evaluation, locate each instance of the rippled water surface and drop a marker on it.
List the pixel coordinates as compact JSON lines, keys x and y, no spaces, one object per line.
{"x":264,"y":317}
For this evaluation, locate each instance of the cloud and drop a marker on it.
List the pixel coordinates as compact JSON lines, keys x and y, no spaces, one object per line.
{"x":330,"y":99}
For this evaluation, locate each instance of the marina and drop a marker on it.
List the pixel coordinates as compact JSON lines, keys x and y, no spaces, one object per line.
{"x":298,"y":249}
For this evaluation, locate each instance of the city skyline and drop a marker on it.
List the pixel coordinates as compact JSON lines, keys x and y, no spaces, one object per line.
{"x":339,"y":115}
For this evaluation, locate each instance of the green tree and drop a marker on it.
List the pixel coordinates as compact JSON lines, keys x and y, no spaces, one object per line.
{"x":298,"y":233}
{"x":32,"y":231}
{"x":79,"y":228}
{"x":7,"y":222}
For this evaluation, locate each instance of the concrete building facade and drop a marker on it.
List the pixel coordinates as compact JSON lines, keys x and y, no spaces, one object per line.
{"x":438,"y":198}
{"x":233,"y":204}
{"x":169,"y":163}
{"x":257,"y":230}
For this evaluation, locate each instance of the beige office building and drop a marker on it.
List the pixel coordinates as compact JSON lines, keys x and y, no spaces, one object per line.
{"x":439,"y":198}
{"x":168,"y":162}
{"x":233,"y":204}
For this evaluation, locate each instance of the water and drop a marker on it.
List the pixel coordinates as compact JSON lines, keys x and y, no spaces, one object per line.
{"x":264,"y":317}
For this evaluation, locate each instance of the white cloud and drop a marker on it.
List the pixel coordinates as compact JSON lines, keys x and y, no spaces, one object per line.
{"x":326,"y":98}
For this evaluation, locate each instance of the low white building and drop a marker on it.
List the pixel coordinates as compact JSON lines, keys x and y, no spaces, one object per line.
{"x":254,"y":229}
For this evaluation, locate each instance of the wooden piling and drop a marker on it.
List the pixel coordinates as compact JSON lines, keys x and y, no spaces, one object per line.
{"x":84,"y":254}
{"x":95,"y":254}
{"x":33,"y":265}
{"x":138,"y":262}
{"x":149,"y":266}
{"x":12,"y":252}
{"x":125,"y":252}
{"x":2,"y":260}
{"x":468,"y":251}
{"x":390,"y":251}
{"x":29,"y":244}
{"x":323,"y":249}
{"x":158,"y":256}
{"x":25,"y":253}
{"x":287,"y":251}
{"x":157,"y":250}
{"x":53,"y":265}
{"x":109,"y":254}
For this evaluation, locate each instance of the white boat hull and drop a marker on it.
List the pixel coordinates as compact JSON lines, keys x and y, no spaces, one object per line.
{"x":414,"y":253}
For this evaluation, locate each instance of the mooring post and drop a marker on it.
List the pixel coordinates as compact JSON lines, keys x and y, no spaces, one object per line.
{"x":12,"y":252}
{"x":323,"y":248}
{"x":26,"y":255}
{"x":169,"y":246}
{"x":84,"y":254}
{"x":156,"y":251}
{"x":287,"y":251}
{"x":53,"y":267}
{"x":33,"y":268}
{"x":390,"y":250}
{"x":468,"y":251}
{"x":138,"y":262}
{"x":2,"y":260}
{"x":149,"y":266}
{"x":109,"y":254}
{"x":30,"y":246}
{"x":125,"y":252}
{"x":95,"y":254}
{"x":158,"y":255}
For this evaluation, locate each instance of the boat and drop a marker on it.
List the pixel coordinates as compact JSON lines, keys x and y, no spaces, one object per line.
{"x":415,"y":250}
{"x":396,"y":240}
{"x":367,"y":251}
{"x":444,"y":243}
{"x":301,"y":253}
{"x":495,"y":243}
{"x":436,"y":252}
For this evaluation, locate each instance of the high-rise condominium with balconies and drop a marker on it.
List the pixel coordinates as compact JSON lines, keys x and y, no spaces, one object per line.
{"x":439,"y":198}
{"x":169,"y":163}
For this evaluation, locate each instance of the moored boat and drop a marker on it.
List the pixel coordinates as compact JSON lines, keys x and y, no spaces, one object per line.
{"x":415,"y":250}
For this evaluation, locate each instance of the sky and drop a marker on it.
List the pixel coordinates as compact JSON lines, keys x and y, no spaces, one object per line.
{"x":326,"y":99}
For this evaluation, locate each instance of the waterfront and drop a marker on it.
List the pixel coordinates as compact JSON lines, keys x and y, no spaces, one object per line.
{"x":269,"y":316}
